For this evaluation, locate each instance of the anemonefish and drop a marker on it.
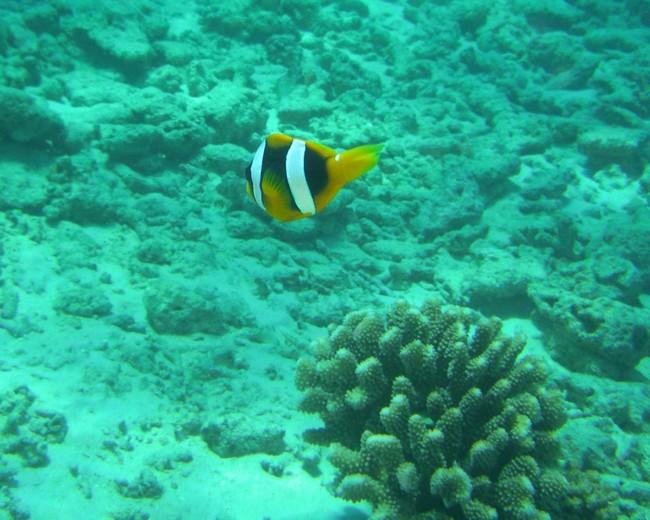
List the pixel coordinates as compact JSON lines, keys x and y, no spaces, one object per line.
{"x":291,"y":179}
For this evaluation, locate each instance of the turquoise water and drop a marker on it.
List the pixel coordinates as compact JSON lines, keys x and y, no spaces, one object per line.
{"x":152,"y":315}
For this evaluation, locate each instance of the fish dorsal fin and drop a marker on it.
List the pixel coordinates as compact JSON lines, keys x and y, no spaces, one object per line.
{"x":324,"y":151}
{"x":278,"y":140}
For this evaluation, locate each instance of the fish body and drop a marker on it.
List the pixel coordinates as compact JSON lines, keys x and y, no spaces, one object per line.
{"x":292,"y":179}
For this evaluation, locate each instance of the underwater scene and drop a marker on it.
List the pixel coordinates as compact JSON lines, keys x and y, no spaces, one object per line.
{"x":325,"y":260}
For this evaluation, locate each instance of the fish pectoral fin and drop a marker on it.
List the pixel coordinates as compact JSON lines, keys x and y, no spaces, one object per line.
{"x":273,"y":187}
{"x":277,"y":198}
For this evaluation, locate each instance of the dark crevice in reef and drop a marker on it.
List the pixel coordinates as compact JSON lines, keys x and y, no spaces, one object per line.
{"x":517,"y":306}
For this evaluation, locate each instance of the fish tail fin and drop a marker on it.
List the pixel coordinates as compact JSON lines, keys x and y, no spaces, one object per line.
{"x":347,"y":166}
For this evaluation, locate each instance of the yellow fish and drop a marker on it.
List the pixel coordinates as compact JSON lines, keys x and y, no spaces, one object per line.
{"x":291,"y":179}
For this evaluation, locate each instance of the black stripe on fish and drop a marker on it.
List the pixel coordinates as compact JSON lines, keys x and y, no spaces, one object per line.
{"x":315,"y":171}
{"x":275,"y":159}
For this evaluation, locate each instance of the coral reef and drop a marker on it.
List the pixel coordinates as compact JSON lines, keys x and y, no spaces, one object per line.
{"x":432,"y":413}
{"x":591,"y":334}
{"x":85,"y":302}
{"x":145,"y":485}
{"x":234,"y":435}
{"x":133,"y":268}
{"x":26,"y":433}
{"x":190,"y":308}
{"x":26,"y":119}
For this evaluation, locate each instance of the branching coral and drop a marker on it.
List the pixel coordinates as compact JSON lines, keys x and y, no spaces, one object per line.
{"x":433,"y":414}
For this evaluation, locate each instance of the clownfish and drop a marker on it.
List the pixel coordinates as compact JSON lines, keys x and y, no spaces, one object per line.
{"x":292,"y":179}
